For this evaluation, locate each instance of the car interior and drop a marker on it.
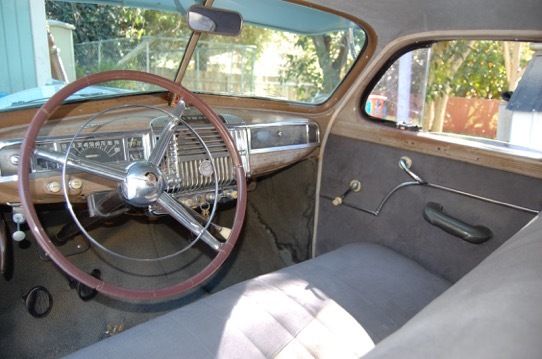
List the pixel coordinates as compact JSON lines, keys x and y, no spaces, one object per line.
{"x":270,"y":179}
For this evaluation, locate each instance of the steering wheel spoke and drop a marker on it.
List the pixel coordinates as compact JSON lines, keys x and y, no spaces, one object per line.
{"x":84,"y":165}
{"x":167,"y":133}
{"x":183,"y":216}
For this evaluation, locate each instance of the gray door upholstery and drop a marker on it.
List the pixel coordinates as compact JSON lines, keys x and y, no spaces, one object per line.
{"x":337,"y":306}
{"x":400,"y":225}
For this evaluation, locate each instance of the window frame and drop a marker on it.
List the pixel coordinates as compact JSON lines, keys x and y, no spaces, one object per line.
{"x":495,"y":146}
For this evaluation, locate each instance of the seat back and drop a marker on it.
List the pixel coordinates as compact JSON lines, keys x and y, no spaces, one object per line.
{"x":495,"y":311}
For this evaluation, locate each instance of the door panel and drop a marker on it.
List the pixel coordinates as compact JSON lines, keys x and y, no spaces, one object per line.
{"x":400,"y":225}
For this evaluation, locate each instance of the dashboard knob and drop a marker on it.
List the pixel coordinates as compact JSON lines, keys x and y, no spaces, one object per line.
{"x":18,"y":236}
{"x":18,"y":218}
{"x":54,"y":187}
{"x":14,"y":159}
{"x":75,"y":183}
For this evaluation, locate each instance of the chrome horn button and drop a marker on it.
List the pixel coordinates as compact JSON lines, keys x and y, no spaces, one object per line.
{"x":143,"y":184}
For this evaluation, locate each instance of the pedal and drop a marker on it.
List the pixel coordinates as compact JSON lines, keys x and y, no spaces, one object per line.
{"x":38,"y":301}
{"x":86,"y":293}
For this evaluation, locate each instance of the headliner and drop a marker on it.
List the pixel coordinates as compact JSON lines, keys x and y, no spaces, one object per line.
{"x":391,"y":19}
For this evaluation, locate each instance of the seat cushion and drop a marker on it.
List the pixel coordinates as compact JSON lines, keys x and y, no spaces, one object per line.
{"x":337,"y":305}
{"x":492,"y":312}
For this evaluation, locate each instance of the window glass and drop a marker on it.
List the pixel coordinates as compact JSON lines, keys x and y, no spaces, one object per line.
{"x":63,"y":41}
{"x":465,"y":88}
{"x":273,"y":63}
{"x":285,"y":50}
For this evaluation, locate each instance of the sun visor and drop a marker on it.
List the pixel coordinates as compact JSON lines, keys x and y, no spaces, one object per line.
{"x":275,"y":14}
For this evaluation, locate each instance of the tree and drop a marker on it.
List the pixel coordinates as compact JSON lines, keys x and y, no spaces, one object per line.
{"x":322,"y":61}
{"x":446,"y":59}
{"x":471,"y":69}
{"x":114,"y":37}
{"x":92,"y":22}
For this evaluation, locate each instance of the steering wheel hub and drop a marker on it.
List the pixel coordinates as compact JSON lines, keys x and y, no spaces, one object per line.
{"x":143,"y":184}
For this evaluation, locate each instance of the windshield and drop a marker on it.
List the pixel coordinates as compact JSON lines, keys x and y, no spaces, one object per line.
{"x":285,"y":51}
{"x":289,"y":52}
{"x":63,"y":41}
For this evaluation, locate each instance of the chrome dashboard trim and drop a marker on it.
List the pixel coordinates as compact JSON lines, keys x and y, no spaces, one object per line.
{"x":240,"y":132}
{"x":10,"y":178}
{"x":284,"y":148}
{"x":292,"y":122}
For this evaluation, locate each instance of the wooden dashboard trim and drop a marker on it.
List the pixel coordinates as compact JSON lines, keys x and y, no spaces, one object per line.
{"x":24,"y":116}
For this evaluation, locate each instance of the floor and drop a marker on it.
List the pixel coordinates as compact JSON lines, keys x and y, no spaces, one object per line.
{"x":277,"y":233}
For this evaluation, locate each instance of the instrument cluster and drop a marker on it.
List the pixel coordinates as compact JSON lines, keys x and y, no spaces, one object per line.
{"x":100,"y":149}
{"x":104,"y":149}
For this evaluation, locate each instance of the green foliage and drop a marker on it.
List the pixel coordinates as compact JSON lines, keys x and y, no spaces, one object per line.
{"x":92,"y":22}
{"x":322,"y":62}
{"x":111,"y":37}
{"x":467,"y":69}
{"x":244,"y":50}
{"x":251,"y":35}
{"x":303,"y":68}
{"x":97,"y":22}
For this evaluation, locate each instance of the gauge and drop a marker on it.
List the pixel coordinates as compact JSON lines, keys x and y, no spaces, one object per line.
{"x":99,"y":150}
{"x":135,"y":142}
{"x":135,"y":148}
{"x":43,"y":164}
{"x":137,"y":155}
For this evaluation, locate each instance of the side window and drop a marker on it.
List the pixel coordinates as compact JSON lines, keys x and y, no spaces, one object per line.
{"x":481,"y":90}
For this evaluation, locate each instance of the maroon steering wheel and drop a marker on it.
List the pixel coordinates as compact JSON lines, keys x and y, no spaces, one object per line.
{"x":161,"y":197}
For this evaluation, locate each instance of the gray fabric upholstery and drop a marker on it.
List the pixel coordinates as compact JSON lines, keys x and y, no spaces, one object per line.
{"x":493,"y":312}
{"x":390,"y":19}
{"x":337,"y":305}
{"x":400,"y":226}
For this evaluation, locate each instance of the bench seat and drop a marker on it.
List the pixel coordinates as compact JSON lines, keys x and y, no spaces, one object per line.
{"x":338,"y":305}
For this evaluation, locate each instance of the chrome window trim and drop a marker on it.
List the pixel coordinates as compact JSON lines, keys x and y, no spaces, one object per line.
{"x":476,"y":143}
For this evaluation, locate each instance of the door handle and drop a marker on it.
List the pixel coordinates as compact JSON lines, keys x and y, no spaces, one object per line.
{"x":434,"y":214}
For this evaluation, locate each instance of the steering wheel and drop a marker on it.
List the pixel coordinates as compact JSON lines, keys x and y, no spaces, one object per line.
{"x":141,"y":184}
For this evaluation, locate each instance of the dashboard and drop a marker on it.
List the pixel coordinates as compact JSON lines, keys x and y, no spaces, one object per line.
{"x":129,"y":135}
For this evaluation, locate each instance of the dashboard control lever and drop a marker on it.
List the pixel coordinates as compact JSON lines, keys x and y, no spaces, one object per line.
{"x":18,"y":219}
{"x":179,"y":109}
{"x":353,"y":186}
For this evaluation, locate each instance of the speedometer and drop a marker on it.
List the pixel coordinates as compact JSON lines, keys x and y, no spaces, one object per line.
{"x":100,"y":150}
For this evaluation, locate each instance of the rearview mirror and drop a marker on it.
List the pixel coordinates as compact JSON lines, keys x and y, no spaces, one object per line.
{"x":211,"y":20}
